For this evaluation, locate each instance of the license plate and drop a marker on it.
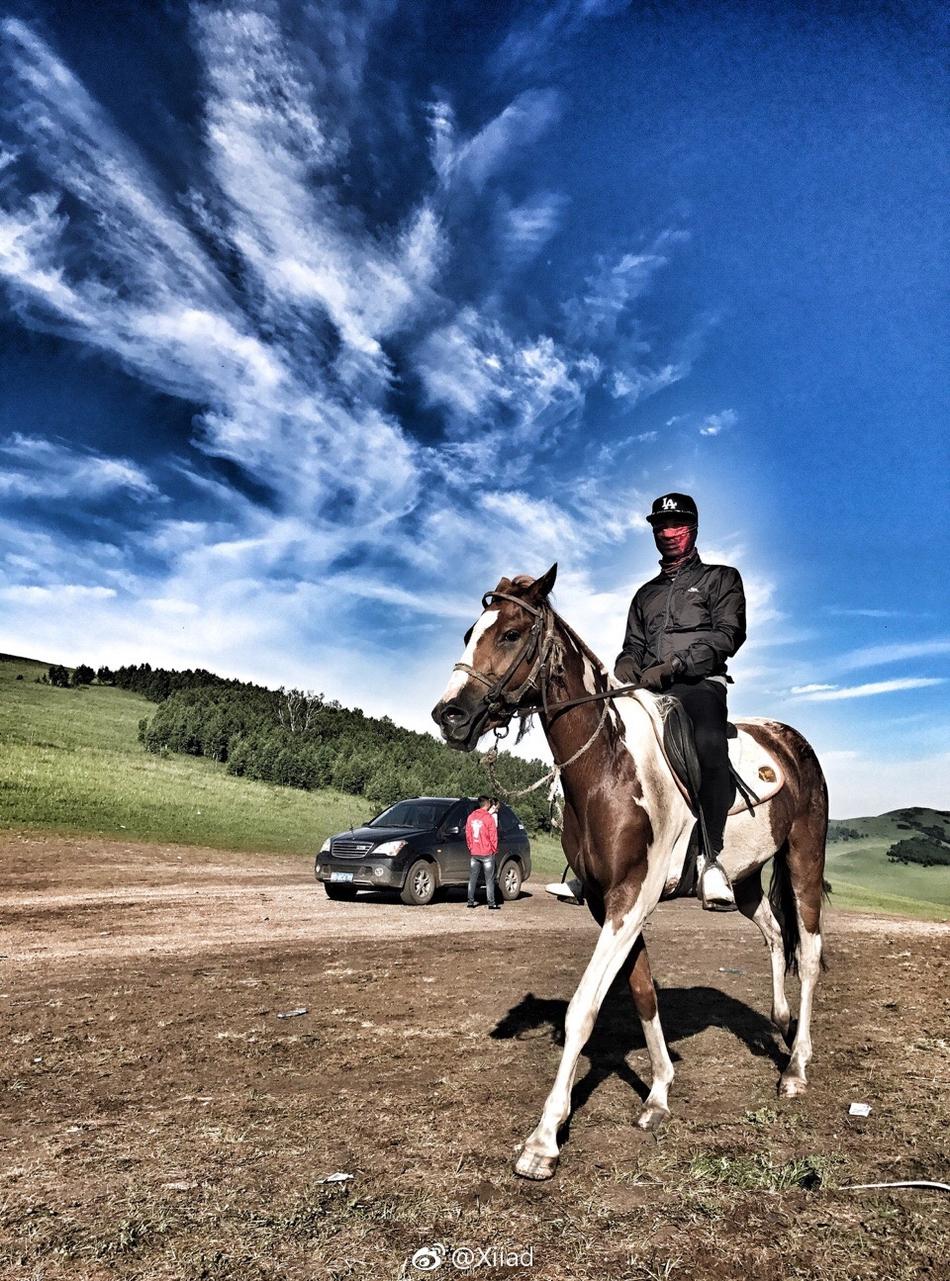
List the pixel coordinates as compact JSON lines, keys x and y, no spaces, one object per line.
{"x":341,"y":876}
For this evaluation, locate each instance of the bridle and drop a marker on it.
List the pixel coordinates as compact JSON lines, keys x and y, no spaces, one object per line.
{"x":502,"y":702}
{"x":538,"y":643}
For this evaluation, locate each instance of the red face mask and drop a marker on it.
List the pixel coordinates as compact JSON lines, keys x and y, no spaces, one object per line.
{"x":676,"y":544}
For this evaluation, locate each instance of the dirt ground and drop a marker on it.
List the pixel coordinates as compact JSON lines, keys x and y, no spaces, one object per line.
{"x":161,"y":1121}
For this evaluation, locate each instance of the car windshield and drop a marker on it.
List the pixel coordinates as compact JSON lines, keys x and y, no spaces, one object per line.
{"x":424,"y":814}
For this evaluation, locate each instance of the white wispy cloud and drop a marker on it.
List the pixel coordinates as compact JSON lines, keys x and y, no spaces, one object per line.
{"x":267,"y":142}
{"x":546,"y":24}
{"x":714,"y":424}
{"x":305,"y":416}
{"x":523,"y":391}
{"x":473,"y":160}
{"x":57,"y":593}
{"x":609,"y":291}
{"x":31,"y":467}
{"x":892,"y":652}
{"x":634,"y":385}
{"x":832,"y":693}
{"x":526,"y":227}
{"x":174,"y":321}
{"x":865,"y":613}
{"x":633,"y":378}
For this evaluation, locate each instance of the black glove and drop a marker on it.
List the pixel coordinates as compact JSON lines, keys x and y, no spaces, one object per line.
{"x":657,"y":677}
{"x":626,"y":671}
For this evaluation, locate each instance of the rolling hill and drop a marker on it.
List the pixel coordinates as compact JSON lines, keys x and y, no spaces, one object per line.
{"x":859,"y":869}
{"x":70,"y":761}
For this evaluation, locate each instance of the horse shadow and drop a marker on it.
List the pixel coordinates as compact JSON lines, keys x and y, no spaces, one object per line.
{"x":685,"y":1011}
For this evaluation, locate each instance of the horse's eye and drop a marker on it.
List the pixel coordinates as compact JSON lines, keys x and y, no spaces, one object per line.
{"x":511,"y":636}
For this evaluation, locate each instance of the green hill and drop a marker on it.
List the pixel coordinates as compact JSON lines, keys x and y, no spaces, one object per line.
{"x":70,"y":761}
{"x":859,"y":869}
{"x":892,"y":826}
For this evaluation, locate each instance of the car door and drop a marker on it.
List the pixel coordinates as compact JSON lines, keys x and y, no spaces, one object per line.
{"x":454,"y":855}
{"x":512,"y":836}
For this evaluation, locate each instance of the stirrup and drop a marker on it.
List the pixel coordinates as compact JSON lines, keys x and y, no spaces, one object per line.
{"x":715,"y":888}
{"x":567,"y":891}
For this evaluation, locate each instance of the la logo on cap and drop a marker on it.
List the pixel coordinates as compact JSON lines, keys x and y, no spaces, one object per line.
{"x":669,"y":504}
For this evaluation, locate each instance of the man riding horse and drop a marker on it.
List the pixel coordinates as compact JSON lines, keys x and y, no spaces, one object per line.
{"x":681,"y":628}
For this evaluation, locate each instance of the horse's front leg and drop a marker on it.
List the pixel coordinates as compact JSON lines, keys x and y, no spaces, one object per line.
{"x":539,"y":1157}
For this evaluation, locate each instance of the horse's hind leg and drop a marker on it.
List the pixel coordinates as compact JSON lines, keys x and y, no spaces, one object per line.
{"x":637,"y":965}
{"x":806,"y":863}
{"x":754,"y":904}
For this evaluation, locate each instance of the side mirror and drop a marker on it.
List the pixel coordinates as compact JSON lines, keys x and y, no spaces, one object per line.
{"x":452,"y":831}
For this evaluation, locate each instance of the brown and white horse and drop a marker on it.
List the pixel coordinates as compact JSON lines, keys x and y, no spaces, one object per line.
{"x":627,"y":826}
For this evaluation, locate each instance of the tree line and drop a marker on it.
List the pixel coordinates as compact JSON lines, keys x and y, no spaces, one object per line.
{"x":298,"y":738}
{"x":76,"y":678}
{"x":922,"y":850}
{"x":928,"y":846}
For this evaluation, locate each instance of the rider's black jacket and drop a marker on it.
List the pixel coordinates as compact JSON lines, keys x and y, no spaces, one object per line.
{"x":696,"y":618}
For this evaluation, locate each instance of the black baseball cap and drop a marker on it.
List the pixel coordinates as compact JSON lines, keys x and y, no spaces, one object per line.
{"x":671,"y":506}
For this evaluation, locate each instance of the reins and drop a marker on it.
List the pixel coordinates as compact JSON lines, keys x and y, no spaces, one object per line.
{"x":552,"y":776}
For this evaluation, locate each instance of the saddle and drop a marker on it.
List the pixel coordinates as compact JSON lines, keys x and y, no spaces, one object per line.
{"x":674,"y":732}
{"x":761,"y":775}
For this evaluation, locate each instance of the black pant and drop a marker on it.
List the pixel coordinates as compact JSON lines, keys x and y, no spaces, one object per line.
{"x":705,"y":703}
{"x":478,"y":866}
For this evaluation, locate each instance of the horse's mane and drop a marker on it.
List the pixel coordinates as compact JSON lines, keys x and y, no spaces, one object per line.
{"x":581,"y":644}
{"x":556,"y":669}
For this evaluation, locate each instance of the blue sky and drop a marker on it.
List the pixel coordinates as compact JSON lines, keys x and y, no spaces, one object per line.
{"x":317,"y":319}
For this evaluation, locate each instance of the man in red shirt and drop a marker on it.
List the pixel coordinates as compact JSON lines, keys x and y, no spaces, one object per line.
{"x":481,"y":836}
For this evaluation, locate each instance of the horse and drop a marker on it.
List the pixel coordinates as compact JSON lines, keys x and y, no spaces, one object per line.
{"x":627,"y":828}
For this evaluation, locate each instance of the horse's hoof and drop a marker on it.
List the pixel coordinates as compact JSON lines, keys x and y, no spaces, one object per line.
{"x":535,"y":1165}
{"x":789,"y":1087}
{"x":652,"y":1118}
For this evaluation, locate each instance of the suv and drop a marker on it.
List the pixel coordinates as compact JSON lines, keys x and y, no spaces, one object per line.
{"x":416,"y":847}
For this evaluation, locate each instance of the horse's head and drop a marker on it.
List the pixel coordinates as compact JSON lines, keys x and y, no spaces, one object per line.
{"x":503,"y":664}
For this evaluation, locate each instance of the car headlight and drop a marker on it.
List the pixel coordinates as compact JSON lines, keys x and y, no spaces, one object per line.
{"x":325,"y":847}
{"x":389,"y":847}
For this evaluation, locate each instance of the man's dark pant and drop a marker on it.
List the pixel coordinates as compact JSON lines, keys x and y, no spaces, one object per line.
{"x":705,"y":703}
{"x":475,"y":867}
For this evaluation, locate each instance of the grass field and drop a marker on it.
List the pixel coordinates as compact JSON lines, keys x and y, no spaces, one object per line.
{"x":864,"y":865}
{"x":70,"y":761}
{"x":864,"y":877}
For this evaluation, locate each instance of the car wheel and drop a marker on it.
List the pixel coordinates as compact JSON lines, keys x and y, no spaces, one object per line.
{"x":509,"y":882}
{"x":420,"y":884}
{"x":345,"y":892}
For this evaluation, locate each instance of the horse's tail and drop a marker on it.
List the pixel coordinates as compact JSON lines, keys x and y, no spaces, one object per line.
{"x":783,"y":905}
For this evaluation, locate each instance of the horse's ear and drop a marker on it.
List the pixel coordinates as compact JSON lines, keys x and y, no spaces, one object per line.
{"x":541,"y":587}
